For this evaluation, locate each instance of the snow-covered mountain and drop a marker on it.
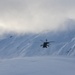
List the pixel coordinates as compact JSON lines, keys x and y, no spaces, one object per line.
{"x":12,"y":45}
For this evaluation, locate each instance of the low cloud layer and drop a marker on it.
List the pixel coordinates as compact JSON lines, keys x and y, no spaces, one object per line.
{"x":34,"y":15}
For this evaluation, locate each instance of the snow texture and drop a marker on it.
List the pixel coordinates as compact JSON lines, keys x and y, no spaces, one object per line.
{"x":12,"y":46}
{"x":38,"y":66}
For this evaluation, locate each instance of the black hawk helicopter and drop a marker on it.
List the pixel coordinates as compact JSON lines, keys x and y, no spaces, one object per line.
{"x":46,"y":43}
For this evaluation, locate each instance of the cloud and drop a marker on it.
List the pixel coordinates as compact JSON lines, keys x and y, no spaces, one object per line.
{"x":34,"y":15}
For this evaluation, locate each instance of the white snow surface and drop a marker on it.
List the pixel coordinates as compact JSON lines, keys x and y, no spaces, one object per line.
{"x":38,"y":66}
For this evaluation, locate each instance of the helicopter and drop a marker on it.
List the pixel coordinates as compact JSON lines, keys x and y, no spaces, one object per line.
{"x":46,"y":43}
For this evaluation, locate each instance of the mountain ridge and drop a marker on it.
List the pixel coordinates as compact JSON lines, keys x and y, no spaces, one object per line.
{"x":12,"y":45}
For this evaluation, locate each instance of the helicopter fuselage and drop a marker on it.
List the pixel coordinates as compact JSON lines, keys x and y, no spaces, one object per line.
{"x":45,"y":44}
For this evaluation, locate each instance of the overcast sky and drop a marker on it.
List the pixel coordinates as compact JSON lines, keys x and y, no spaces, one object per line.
{"x":34,"y":15}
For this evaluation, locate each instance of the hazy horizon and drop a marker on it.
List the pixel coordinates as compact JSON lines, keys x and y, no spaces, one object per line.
{"x":22,"y":16}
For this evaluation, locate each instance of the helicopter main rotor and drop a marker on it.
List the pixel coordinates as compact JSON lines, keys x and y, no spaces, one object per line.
{"x":46,"y":43}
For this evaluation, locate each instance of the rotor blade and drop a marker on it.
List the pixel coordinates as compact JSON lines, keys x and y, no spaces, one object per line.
{"x":46,"y":39}
{"x":51,"y":41}
{"x":41,"y":40}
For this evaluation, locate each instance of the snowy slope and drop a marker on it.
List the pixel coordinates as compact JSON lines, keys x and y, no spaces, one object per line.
{"x":29,"y":45}
{"x":68,"y":48}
